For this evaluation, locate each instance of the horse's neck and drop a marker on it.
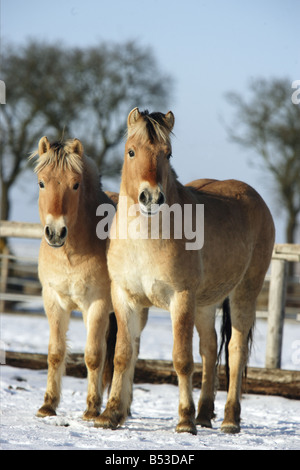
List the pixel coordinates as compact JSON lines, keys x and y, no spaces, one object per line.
{"x":82,"y":235}
{"x":182,"y":194}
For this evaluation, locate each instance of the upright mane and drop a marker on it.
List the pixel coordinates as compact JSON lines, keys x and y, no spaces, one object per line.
{"x":151,"y":127}
{"x":69,"y":156}
{"x":60,"y":154}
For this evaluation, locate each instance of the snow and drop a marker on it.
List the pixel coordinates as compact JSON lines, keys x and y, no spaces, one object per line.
{"x":268,"y":423}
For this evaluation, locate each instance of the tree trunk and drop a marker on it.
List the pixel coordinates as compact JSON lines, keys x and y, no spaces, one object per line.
{"x":4,"y":210}
{"x":5,"y":206}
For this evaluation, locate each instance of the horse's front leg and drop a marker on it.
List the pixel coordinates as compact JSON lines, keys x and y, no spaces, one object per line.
{"x":126,"y":352}
{"x":182,"y":314}
{"x":58,"y":320}
{"x":97,"y":321}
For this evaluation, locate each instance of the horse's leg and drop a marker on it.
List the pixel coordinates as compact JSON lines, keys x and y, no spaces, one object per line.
{"x":126,"y":352}
{"x":242,"y":318}
{"x":58,"y":323}
{"x":205,"y":324}
{"x":182,"y":314}
{"x":97,"y":321}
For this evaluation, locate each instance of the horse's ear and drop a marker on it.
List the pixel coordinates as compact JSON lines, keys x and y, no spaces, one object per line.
{"x":133,"y":117}
{"x":44,"y":145}
{"x":170,"y":119}
{"x":77,"y":147}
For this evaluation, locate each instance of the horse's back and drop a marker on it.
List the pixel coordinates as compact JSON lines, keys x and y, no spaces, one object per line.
{"x":229,"y":197}
{"x":227,"y":189}
{"x":238,"y":232}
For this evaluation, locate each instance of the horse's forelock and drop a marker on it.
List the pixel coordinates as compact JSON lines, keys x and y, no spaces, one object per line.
{"x":59,"y":156}
{"x":150,"y":127}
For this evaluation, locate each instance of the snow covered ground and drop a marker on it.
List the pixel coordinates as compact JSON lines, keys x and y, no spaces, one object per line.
{"x":267,"y":422}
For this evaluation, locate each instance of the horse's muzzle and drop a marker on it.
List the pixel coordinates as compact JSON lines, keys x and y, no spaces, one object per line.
{"x":55,"y":237}
{"x":150,"y":200}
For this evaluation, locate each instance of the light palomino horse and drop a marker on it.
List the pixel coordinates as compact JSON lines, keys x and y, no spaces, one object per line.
{"x":73,"y":267}
{"x":238,"y":243}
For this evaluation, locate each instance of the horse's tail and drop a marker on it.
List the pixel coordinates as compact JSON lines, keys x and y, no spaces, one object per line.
{"x":225,"y":338}
{"x":110,"y":352}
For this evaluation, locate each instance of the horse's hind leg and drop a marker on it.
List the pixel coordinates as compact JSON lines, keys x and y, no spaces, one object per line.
{"x":58,"y":323}
{"x":182,"y":314}
{"x":242,"y":318}
{"x":205,"y":324}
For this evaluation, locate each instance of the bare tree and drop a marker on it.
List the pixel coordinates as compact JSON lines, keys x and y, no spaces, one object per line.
{"x":34,"y":78}
{"x":85,"y":93}
{"x":130,"y":78}
{"x":269,"y":123}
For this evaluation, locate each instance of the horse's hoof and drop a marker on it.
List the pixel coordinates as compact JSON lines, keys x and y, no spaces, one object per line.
{"x":105,"y":422}
{"x":186,"y":427}
{"x":204,"y":422}
{"x":230,"y":428}
{"x":90,"y":415}
{"x":204,"y":418}
{"x":46,"y":410}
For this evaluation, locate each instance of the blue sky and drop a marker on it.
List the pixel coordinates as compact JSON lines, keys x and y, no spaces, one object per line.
{"x":209,"y":47}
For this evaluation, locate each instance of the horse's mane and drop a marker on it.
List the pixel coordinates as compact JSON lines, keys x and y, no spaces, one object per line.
{"x":152,"y":127}
{"x":60,"y":155}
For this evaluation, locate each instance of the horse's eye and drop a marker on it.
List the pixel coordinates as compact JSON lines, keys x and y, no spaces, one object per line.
{"x":169,"y":156}
{"x":41,"y":184}
{"x":131,"y":153}
{"x":76,"y":186}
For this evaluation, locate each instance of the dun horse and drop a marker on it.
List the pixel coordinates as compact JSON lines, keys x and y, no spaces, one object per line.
{"x":73,"y":267}
{"x":238,"y":242}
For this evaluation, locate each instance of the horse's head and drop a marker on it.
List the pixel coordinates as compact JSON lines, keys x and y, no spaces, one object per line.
{"x":59,"y":169}
{"x":146,"y":164}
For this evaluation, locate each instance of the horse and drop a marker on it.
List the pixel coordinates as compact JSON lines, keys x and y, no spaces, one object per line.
{"x":188,"y":281}
{"x":72,"y":267}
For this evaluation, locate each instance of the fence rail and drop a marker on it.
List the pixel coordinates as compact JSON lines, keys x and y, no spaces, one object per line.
{"x":10,"y":229}
{"x":282,"y":254}
{"x":285,"y":383}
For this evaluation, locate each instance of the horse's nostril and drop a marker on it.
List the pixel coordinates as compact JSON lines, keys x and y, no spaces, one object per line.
{"x":147,"y":197}
{"x":161,"y":199}
{"x":63,"y":232}
{"x":48,"y":232}
{"x":143,"y":198}
{"x":55,"y":237}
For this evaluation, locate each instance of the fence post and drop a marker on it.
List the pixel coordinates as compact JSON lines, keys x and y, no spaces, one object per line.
{"x":276,"y":310}
{"x":4,"y":276}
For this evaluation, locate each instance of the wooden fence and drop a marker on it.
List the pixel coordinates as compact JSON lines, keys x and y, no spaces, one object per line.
{"x":282,"y":254}
{"x":285,"y":383}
